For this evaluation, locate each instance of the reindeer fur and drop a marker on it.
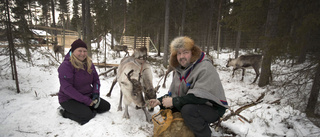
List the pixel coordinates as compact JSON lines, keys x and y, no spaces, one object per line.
{"x":246,"y":61}
{"x":140,"y":53}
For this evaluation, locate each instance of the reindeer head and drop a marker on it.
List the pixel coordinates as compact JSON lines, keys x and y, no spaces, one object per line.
{"x":137,"y":90}
{"x":151,"y":93}
{"x":228,"y":62}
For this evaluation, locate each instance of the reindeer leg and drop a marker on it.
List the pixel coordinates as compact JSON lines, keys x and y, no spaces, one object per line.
{"x":148,"y":116}
{"x":257,"y":74}
{"x":120,"y":102}
{"x":113,"y":83}
{"x":233,"y":72}
{"x":127,"y":53}
{"x":243,"y":71}
{"x":126,"y":113}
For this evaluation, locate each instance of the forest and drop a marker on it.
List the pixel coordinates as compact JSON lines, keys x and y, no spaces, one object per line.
{"x":285,"y":31}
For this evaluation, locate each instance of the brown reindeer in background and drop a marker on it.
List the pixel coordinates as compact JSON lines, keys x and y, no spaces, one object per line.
{"x":246,"y":61}
{"x":119,"y":48}
{"x":58,"y":50}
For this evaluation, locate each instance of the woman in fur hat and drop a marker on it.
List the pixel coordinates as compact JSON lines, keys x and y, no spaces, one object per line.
{"x":196,"y":90}
{"x":79,"y":86}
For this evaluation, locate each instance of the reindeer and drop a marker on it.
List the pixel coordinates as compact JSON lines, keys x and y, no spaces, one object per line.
{"x":246,"y":61}
{"x":141,"y":71}
{"x":58,"y":49}
{"x":140,"y":53}
{"x":119,"y":48}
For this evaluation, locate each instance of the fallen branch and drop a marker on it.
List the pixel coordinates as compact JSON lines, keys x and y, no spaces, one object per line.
{"x":238,"y":111}
{"x":276,"y":102}
{"x":114,"y":69}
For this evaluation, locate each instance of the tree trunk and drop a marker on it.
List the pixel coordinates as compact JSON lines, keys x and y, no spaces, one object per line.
{"x":158,"y":41}
{"x":105,"y":47}
{"x":84,"y":34}
{"x":218,"y":31}
{"x":304,"y":45}
{"x":54,"y":23}
{"x":112,"y":26}
{"x":88,"y":28}
{"x":166,"y":34}
{"x":219,"y":40}
{"x":64,"y":31}
{"x":11,"y":47}
{"x":124,"y":17}
{"x":270,"y":34}
{"x":211,"y":11}
{"x":313,"y":99}
{"x":184,"y":5}
{"x":238,"y":43}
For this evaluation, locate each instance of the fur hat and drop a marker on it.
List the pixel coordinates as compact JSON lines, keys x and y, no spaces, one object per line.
{"x":183,"y":42}
{"x":77,"y":44}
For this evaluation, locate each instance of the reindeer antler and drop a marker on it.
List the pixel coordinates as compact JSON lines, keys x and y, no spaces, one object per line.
{"x":129,"y":74}
{"x":139,"y":76}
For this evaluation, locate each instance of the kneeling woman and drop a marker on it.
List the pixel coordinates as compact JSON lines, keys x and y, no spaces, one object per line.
{"x":79,"y":86}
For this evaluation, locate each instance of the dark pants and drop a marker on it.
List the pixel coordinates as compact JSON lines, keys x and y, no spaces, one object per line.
{"x":198,"y":117}
{"x":82,"y":113}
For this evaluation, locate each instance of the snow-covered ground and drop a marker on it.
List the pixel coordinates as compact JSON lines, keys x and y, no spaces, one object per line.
{"x":33,"y":112}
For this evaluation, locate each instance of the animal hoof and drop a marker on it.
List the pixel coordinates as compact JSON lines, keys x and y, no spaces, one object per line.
{"x":126,"y":116}
{"x":119,"y":108}
{"x":149,"y":121}
{"x":108,"y":95}
{"x":137,"y":107}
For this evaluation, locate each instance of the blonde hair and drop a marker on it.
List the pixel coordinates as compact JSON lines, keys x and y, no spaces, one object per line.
{"x":81,"y":64}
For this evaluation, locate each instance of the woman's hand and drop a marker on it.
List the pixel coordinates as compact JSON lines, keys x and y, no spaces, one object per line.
{"x":93,"y":102}
{"x":154,"y":102}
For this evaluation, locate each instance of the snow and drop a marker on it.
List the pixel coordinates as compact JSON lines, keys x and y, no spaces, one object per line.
{"x":33,"y":112}
{"x":40,"y":32}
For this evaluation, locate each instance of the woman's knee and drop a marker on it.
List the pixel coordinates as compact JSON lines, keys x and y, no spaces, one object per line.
{"x":86,"y":117}
{"x":104,"y":106}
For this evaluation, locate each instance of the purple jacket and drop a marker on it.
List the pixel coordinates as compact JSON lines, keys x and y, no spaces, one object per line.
{"x":77,"y":84}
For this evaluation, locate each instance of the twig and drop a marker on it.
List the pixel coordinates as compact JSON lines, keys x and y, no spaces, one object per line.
{"x":276,"y":101}
{"x":26,"y":131}
{"x":54,"y":94}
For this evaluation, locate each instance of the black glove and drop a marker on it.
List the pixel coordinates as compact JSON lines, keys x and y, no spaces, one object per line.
{"x":95,"y":96}
{"x":96,"y":99}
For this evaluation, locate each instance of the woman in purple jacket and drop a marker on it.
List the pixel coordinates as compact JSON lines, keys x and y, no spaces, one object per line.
{"x":79,"y":86}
